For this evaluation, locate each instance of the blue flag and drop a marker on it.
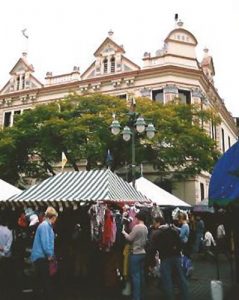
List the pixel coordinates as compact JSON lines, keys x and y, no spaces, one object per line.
{"x":109,"y":158}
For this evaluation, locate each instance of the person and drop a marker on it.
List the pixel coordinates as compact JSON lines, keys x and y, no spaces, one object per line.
{"x":184,"y":232}
{"x":6,"y":239}
{"x":209,"y":243}
{"x":221,"y":238}
{"x":199,"y":231}
{"x":138,"y":239}
{"x":43,"y":252}
{"x":156,"y":223}
{"x":168,"y":244}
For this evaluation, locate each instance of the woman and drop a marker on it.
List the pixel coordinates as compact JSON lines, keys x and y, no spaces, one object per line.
{"x":138,"y":239}
{"x":43,"y":252}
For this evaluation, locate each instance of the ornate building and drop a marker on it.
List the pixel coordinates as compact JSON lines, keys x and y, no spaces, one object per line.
{"x":173,"y":71}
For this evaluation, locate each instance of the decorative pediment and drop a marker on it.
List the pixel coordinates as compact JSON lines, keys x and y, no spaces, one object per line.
{"x":181,"y":35}
{"x":108,"y":47}
{"x":109,"y":60}
{"x":21,"y":78}
{"x":22,"y":66}
{"x":28,"y":82}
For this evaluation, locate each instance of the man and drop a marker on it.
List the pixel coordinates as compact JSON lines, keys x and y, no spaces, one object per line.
{"x":199,"y":231}
{"x":6,"y":239}
{"x":167,"y":242}
{"x":43,"y":252}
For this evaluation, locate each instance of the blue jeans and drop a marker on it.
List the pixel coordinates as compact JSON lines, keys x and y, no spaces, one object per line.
{"x":170,"y":266}
{"x":136,"y":264}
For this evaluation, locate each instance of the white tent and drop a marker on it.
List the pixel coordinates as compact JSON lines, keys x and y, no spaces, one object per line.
{"x":157,"y":194}
{"x":7,"y":190}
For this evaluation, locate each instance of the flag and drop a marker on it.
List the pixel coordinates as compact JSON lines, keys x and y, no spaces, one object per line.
{"x":24,"y":33}
{"x":63,"y":161}
{"x":108,"y":158}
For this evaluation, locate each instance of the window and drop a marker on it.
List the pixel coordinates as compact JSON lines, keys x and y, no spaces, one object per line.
{"x":23,"y":81}
{"x":16,"y":112}
{"x":112,"y":65}
{"x":202,"y":191}
{"x":213,"y":131}
{"x":158,"y":96}
{"x":105,"y":64}
{"x":18,"y":83}
{"x":223,"y":141}
{"x":123,"y":96}
{"x":229,"y":142}
{"x":7,"y":119}
{"x":185,"y":96}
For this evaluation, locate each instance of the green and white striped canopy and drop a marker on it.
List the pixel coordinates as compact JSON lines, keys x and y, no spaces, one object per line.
{"x":82,"y":186}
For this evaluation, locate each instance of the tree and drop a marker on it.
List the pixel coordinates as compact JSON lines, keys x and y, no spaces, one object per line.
{"x":79,"y":126}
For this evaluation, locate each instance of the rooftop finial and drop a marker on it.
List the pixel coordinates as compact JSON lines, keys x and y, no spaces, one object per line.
{"x":110,"y":33}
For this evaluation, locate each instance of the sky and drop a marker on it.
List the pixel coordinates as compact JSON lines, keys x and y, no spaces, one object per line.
{"x":63,"y":34}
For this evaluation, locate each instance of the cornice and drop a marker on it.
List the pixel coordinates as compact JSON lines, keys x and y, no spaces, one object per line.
{"x":137,"y":74}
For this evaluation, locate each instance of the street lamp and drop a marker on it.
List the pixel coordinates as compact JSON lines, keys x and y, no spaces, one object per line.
{"x":136,"y":124}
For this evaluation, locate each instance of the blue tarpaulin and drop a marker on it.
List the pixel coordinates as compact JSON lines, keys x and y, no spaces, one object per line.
{"x":224,"y":183}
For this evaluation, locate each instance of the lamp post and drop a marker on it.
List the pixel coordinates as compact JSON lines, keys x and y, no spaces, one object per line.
{"x":136,"y":124}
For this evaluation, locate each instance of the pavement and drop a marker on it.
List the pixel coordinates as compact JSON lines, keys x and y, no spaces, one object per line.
{"x":205,"y":270}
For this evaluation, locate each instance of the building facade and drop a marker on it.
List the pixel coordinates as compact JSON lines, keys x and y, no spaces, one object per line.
{"x":173,"y":71}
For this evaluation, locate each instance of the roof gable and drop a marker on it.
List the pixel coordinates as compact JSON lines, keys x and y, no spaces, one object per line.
{"x":107,"y":46}
{"x":21,"y":65}
{"x":31,"y":83}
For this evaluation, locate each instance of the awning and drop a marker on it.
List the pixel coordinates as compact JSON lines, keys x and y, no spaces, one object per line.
{"x":7,"y":190}
{"x":83,"y":186}
{"x":224,"y":183}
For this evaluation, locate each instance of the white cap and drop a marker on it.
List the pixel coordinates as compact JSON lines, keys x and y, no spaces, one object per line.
{"x":33,"y":220}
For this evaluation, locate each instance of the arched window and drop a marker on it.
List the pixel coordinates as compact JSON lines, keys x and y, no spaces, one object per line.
{"x":112,"y":65}
{"x":105,"y":64}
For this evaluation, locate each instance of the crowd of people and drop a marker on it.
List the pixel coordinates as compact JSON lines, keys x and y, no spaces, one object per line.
{"x":149,"y":244}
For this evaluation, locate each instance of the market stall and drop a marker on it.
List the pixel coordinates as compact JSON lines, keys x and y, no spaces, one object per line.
{"x":92,"y":206}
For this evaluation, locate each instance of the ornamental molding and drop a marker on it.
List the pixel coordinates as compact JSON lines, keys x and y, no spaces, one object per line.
{"x":145,"y":92}
{"x":170,"y":89}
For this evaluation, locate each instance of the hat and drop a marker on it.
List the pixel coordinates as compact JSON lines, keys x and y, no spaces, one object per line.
{"x":33,"y":220}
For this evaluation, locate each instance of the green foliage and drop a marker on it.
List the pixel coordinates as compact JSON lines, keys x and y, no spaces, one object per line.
{"x":79,"y":126}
